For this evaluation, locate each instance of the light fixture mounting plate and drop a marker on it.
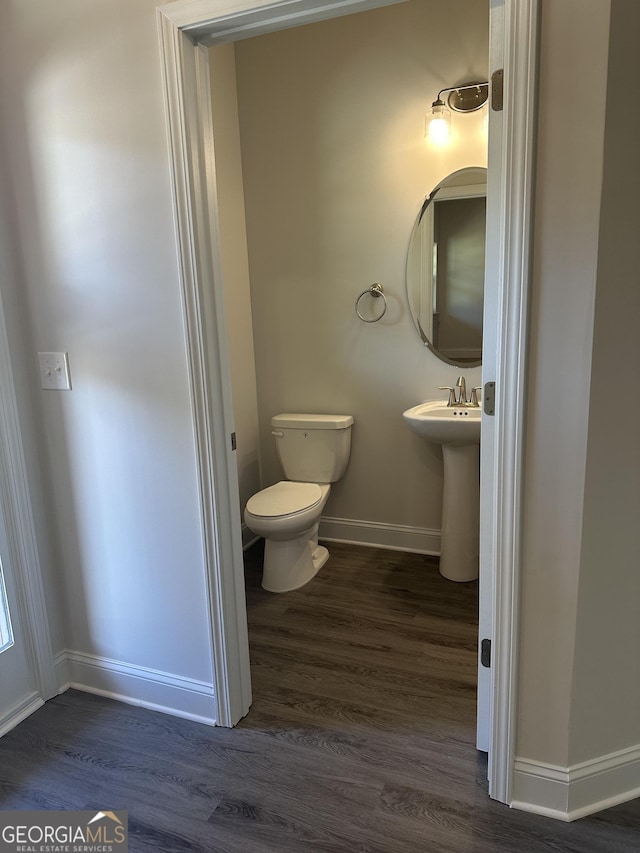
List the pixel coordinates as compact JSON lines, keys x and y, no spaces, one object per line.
{"x":468,"y":97}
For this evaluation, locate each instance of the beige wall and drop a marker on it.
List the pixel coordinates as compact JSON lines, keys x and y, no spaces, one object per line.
{"x":573,"y":71}
{"x":606,"y":683}
{"x":335,"y":170}
{"x":579,"y":687}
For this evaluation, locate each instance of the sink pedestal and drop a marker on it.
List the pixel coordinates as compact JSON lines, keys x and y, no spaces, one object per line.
{"x":457,"y":429}
{"x":459,"y":543}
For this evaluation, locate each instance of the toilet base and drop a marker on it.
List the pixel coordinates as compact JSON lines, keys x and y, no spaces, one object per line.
{"x":292,"y":563}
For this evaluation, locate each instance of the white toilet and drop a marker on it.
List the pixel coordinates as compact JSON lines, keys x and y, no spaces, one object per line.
{"x":314,"y":452}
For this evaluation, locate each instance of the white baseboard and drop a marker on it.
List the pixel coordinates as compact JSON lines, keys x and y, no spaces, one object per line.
{"x":395,"y":537}
{"x":569,"y":793}
{"x":20,"y":712}
{"x":62,"y":670}
{"x":137,"y":685}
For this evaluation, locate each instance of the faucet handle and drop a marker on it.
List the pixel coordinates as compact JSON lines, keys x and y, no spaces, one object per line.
{"x":452,"y":394}
{"x":473,"y":400}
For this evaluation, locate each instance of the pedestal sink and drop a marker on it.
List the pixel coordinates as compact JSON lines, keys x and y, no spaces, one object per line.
{"x":457,"y":429}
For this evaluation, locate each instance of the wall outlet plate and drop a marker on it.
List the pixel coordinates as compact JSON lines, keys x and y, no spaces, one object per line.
{"x":54,"y":371}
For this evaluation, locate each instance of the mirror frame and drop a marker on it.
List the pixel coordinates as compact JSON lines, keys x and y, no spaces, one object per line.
{"x":445,"y":184}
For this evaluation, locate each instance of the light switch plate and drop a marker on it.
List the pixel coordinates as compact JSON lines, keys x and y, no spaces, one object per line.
{"x":54,"y":371}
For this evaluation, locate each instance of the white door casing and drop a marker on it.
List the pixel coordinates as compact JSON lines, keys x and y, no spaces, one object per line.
{"x":187,"y":28}
{"x":513,"y":48}
{"x":27,"y":672}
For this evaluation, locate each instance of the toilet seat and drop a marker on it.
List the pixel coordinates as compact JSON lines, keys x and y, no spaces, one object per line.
{"x":284,"y":498}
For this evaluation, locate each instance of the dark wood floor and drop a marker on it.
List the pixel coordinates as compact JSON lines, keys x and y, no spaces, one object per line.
{"x":360,"y":738}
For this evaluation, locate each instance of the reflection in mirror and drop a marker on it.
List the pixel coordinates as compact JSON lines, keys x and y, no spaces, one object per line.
{"x":445,"y":267}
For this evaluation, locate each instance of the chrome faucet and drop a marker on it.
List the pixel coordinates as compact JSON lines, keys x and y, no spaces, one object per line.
{"x":452,"y":394}
{"x":458,"y":394}
{"x":474,"y":400}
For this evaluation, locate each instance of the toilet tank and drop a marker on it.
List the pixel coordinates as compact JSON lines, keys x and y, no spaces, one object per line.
{"x":312,"y":448}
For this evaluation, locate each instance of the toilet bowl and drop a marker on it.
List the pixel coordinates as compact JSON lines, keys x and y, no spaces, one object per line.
{"x":287,"y":515}
{"x":314,"y":452}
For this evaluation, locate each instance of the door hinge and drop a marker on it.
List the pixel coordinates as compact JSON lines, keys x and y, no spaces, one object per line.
{"x":233,"y":441}
{"x":497,"y":89}
{"x":485,"y":653}
{"x":490,"y":398}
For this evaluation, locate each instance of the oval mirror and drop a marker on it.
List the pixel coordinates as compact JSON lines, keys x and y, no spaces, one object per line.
{"x":445,"y":267}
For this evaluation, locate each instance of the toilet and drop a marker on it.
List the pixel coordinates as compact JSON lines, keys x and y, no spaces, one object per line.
{"x":313,"y":452}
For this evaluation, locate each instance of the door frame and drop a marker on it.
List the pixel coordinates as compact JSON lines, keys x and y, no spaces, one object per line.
{"x":187,"y":28}
{"x":22,"y":559}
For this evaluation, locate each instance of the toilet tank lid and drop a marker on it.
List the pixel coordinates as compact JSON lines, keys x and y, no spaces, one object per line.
{"x":299,"y":421}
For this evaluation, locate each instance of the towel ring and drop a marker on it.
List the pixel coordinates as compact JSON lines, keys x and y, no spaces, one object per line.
{"x":374,"y":290}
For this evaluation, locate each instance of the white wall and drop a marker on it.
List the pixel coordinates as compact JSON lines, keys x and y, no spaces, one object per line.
{"x":335,"y":170}
{"x":606,"y":681}
{"x":100,"y":281}
{"x":235,"y":267}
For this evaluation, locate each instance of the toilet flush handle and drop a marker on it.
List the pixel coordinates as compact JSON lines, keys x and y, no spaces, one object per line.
{"x":278,"y":433}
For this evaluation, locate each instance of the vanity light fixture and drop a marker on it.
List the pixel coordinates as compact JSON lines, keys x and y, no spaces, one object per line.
{"x":461,"y":99}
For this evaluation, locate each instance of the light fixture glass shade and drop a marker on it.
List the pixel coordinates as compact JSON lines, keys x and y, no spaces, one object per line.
{"x":438,"y":123}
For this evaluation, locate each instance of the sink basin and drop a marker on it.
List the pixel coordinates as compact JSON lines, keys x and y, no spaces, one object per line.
{"x":442,"y":424}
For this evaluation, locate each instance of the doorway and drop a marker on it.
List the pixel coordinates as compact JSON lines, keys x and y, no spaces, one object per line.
{"x":185,"y":36}
{"x":335,"y":169}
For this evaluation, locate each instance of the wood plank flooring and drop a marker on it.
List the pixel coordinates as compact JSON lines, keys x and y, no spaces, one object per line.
{"x":360,"y":737}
